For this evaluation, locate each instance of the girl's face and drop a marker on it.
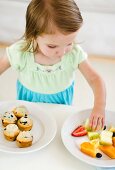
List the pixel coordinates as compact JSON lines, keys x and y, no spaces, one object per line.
{"x":54,"y":46}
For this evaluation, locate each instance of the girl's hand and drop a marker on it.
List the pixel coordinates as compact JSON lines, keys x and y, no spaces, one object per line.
{"x":97,"y":119}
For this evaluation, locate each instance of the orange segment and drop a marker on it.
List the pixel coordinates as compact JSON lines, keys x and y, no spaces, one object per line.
{"x":88,"y":149}
{"x":108,"y":150}
{"x":113,"y":140}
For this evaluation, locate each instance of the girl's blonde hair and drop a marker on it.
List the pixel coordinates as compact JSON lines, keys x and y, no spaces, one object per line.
{"x":47,"y":16}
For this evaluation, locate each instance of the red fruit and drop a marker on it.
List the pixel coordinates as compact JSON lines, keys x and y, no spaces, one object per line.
{"x":82,"y":133}
{"x":79,"y":131}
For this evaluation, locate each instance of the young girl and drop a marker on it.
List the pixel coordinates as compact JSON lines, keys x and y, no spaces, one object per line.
{"x":47,"y":58}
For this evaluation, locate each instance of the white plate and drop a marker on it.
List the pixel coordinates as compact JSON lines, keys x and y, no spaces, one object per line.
{"x":73,"y":143}
{"x":43,"y":130}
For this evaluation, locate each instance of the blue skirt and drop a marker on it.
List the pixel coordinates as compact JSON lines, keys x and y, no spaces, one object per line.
{"x":64,"y":97}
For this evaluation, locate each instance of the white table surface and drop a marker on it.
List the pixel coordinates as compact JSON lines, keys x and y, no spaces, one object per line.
{"x":52,"y":157}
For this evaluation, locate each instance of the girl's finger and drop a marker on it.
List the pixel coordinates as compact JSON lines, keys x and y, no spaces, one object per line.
{"x":91,"y":121}
{"x":94,"y":123}
{"x":99,"y":124}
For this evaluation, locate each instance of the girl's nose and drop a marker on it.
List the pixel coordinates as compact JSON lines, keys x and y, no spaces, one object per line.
{"x":61,"y":52}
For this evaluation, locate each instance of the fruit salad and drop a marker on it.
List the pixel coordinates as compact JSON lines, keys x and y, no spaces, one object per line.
{"x":103,"y":140}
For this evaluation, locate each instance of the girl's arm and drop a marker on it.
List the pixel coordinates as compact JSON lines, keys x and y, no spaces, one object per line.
{"x":97,"y":117}
{"x":4,"y":63}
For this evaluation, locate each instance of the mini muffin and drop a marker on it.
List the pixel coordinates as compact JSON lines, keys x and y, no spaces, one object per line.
{"x":8,"y":118}
{"x":20,"y":111}
{"x":24,"y":139}
{"x":25,"y":123}
{"x":11,"y":131}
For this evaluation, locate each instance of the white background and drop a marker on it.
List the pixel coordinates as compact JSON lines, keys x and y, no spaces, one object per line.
{"x":97,"y":34}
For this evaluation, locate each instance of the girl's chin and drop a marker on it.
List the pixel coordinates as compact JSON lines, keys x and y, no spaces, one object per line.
{"x":52,"y":57}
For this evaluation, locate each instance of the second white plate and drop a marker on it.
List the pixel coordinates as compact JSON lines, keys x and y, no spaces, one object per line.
{"x":43,"y":131}
{"x":72,"y":143}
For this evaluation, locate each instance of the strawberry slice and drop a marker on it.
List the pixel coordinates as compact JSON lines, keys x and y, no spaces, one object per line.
{"x":79,"y":131}
{"x":79,"y":134}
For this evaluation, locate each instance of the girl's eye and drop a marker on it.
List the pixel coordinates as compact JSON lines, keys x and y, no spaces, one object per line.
{"x":70,"y":44}
{"x":51,"y":46}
